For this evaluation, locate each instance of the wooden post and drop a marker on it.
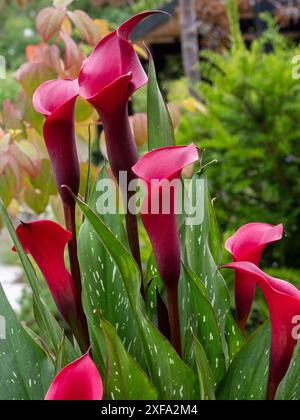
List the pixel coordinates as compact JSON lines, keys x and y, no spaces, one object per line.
{"x":190,"y":43}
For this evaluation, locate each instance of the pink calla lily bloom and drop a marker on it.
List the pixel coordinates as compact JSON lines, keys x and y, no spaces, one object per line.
{"x":79,"y":381}
{"x":109,"y":76}
{"x":248,"y":244}
{"x":156,"y":167}
{"x":56,"y":100}
{"x":45,"y":241}
{"x":283,"y":301}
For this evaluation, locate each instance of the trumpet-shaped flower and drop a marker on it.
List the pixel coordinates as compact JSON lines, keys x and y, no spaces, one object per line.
{"x":158,"y":169}
{"x":109,"y":76}
{"x":248,"y":244}
{"x":283,"y":300}
{"x":45,"y":241}
{"x":56,"y":100}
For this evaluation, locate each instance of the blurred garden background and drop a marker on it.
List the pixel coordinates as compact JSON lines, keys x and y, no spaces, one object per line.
{"x":230,"y":74}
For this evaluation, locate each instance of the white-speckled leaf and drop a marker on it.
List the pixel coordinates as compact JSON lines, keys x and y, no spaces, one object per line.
{"x":247,"y":377}
{"x":25,"y":371}
{"x":289,"y":389}
{"x":198,"y":319}
{"x":205,"y":375}
{"x":170,"y":376}
{"x":124,"y":379}
{"x":103,"y":289}
{"x":200,"y":258}
{"x":234,"y":337}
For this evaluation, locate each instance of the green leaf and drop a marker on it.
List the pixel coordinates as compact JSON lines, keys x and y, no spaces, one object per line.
{"x":234,"y":337}
{"x":103,"y":288}
{"x":171,"y":377}
{"x":160,"y":126}
{"x":153,"y":284}
{"x":247,"y":377}
{"x":198,"y":318}
{"x":199,"y":255}
{"x":125,"y":380}
{"x":25,"y":371}
{"x":205,"y":375}
{"x":214,"y":234}
{"x":289,"y":389}
{"x":48,"y":325}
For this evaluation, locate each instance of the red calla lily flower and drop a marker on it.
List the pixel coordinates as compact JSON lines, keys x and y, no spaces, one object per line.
{"x":79,"y":381}
{"x":56,"y":100}
{"x":156,"y":167}
{"x":110,"y":75}
{"x":45,"y":241}
{"x":283,"y":301}
{"x":161,"y":165}
{"x":248,"y":244}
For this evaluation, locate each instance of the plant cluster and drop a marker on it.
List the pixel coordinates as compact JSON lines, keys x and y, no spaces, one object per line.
{"x":160,"y":331}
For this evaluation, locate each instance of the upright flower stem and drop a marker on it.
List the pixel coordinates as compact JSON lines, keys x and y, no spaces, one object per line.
{"x":172,"y":293}
{"x":133,"y":237}
{"x":80,"y":328}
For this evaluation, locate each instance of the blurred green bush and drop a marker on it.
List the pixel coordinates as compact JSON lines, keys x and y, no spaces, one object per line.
{"x":252,"y":127}
{"x":8,"y":88}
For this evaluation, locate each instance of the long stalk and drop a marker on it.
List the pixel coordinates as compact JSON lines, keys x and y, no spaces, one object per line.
{"x":174,"y":317}
{"x":80,"y":329}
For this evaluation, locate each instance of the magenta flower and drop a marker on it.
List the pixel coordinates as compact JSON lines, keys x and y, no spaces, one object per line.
{"x":45,"y":241}
{"x":79,"y":381}
{"x":110,"y":75}
{"x":56,"y":100}
{"x":283,"y":301}
{"x":158,"y":168}
{"x":248,"y":244}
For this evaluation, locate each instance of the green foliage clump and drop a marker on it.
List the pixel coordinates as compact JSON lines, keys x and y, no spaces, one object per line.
{"x":252,"y":128}
{"x":8,"y":88}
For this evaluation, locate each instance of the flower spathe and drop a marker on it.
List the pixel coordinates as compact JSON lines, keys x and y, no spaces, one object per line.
{"x":55,"y":100}
{"x":79,"y":381}
{"x":164,"y":164}
{"x":45,"y":241}
{"x":113,"y":72}
{"x":109,"y":76}
{"x":248,"y":244}
{"x":283,"y":300}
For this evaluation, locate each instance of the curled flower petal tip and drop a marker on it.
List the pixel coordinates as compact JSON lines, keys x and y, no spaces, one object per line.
{"x":95,"y":80}
{"x":165,"y":162}
{"x":79,"y":381}
{"x":251,"y":238}
{"x":127,"y":27}
{"x":247,"y":244}
{"x":52,"y":95}
{"x":283,"y":300}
